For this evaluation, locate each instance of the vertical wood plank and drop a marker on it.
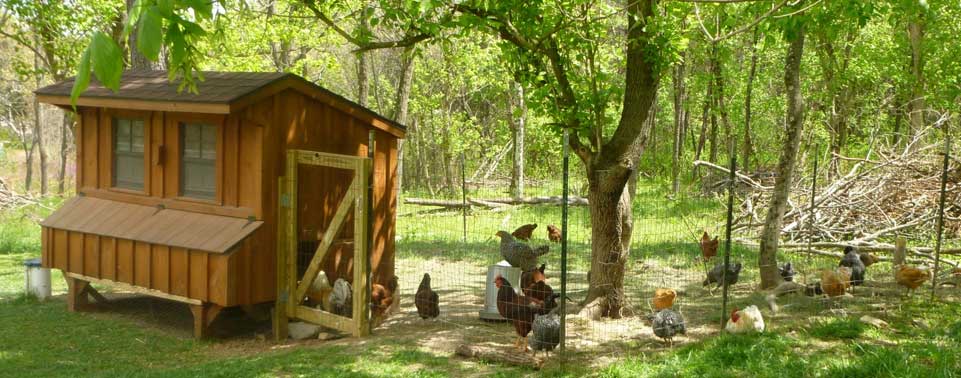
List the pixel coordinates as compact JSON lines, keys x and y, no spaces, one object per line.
{"x":75,"y":252}
{"x":160,"y":268}
{"x":283,"y":288}
{"x":198,"y":275}
{"x":361,"y":282}
{"x":108,"y":258}
{"x":179,"y":272}
{"x":60,"y":252}
{"x":125,"y":258}
{"x":141,"y":263}
{"x":91,"y":255}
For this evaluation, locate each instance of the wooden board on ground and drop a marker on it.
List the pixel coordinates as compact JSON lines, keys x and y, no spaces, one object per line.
{"x":499,"y":353}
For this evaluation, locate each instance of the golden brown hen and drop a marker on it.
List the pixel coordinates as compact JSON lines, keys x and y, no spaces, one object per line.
{"x":910,"y":277}
{"x":524,"y":232}
{"x":708,"y":246}
{"x":835,"y":282}
{"x":553,"y":233}
{"x":664,"y":298}
{"x":868,"y":259}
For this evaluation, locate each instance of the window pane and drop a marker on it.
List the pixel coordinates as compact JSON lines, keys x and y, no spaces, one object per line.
{"x":136,"y":136}
{"x":191,"y":139}
{"x":209,"y":144}
{"x":122,"y":135}
{"x":198,"y":169}
{"x":128,"y":159}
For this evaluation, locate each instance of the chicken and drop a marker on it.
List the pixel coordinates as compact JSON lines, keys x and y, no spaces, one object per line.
{"x":528,"y":278}
{"x":747,"y":320}
{"x":868,"y":259}
{"x":852,"y":260}
{"x":835,"y":282}
{"x":553,"y":233}
{"x":319,"y":290}
{"x":813,"y":289}
{"x":664,"y":298}
{"x":341,"y":298}
{"x":546,"y":333}
{"x":668,"y":323}
{"x":910,"y":277}
{"x":543,"y":293}
{"x":524,"y":232}
{"x":382,"y":299}
{"x":717,"y":274}
{"x":708,"y":246}
{"x":426,"y":299}
{"x":787,"y":272}
{"x":520,"y":254}
{"x":519,"y":309}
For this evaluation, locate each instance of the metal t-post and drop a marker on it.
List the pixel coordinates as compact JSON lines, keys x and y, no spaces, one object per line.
{"x":564,"y":206}
{"x":732,"y":185}
{"x":463,"y":193}
{"x":940,"y":229}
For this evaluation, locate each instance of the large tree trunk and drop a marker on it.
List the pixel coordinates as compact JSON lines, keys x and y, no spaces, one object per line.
{"x":66,"y":131}
{"x":770,"y":236}
{"x":746,"y":147}
{"x":517,"y":174}
{"x":679,"y":115}
{"x":611,"y":226}
{"x":916,"y":101}
{"x":705,"y":113}
{"x":137,"y":60}
{"x":402,"y":102}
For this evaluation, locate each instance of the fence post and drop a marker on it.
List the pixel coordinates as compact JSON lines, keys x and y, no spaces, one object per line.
{"x":463,"y":193}
{"x":941,"y":200}
{"x":564,"y":208}
{"x":732,"y":185}
{"x":814,"y":186}
{"x":369,"y":234}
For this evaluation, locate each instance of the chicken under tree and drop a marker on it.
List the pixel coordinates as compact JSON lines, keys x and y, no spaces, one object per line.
{"x":668,"y":323}
{"x":787,"y":272}
{"x":520,"y":254}
{"x":546,"y":333}
{"x":519,"y":309}
{"x":426,"y":299}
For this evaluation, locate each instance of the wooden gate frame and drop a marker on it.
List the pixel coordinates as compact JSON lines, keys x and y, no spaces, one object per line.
{"x":290,"y":293}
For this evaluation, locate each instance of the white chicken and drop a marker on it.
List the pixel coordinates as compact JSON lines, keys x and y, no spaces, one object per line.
{"x":746,"y":320}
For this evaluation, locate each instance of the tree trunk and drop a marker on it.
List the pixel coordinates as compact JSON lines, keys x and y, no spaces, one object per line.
{"x":679,"y":115}
{"x":65,"y":132}
{"x":38,"y":129}
{"x":402,"y":102}
{"x":702,"y":137}
{"x":770,"y":236}
{"x":916,"y":101}
{"x":746,"y":148}
{"x":137,"y":60}
{"x":363,"y":83}
{"x":517,"y":174}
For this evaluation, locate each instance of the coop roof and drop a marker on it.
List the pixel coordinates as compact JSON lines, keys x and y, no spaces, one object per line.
{"x":148,"y":224}
{"x":217,"y":93}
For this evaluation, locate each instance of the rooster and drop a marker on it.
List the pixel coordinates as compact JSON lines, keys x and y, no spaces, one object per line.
{"x":553,"y":233}
{"x":520,"y":310}
{"x":708,"y":246}
{"x":520,"y":254}
{"x":747,"y":320}
{"x":382,"y":300}
{"x":546,"y":333}
{"x":668,"y":323}
{"x":524,"y":232}
{"x":852,"y":261}
{"x":426,"y":300}
{"x":716,"y":275}
{"x":664,"y":298}
{"x":835,"y":282}
{"x":910,"y":277}
{"x":787,"y":272}
{"x":341,"y":299}
{"x":528,"y":278}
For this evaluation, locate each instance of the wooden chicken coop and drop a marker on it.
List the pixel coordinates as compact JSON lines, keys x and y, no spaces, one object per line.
{"x":206,"y":198}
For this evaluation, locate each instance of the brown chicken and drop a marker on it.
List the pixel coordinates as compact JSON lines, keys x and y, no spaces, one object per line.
{"x":524,"y":232}
{"x":835,"y":282}
{"x":553,"y":233}
{"x":663,"y":298}
{"x":519,"y":309}
{"x":708,"y":246}
{"x":528,"y":278}
{"x":382,"y":299}
{"x":910,"y":277}
{"x":868,"y":259}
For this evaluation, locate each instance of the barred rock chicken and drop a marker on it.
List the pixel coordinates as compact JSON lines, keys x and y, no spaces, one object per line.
{"x":546,"y":333}
{"x":520,"y":254}
{"x":341,"y":298}
{"x":910,"y":277}
{"x":553,"y":233}
{"x":868,"y":259}
{"x":708,"y":246}
{"x":528,"y":278}
{"x":787,"y":272}
{"x":747,"y":320}
{"x":852,"y":260}
{"x":717,"y":274}
{"x":426,"y":299}
{"x":382,"y":300}
{"x":835,"y":282}
{"x":519,"y":309}
{"x":664,"y":298}
{"x":668,"y":323}
{"x":524,"y":232}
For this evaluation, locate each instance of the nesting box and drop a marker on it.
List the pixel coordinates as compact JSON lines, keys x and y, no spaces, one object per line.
{"x":178,"y":195}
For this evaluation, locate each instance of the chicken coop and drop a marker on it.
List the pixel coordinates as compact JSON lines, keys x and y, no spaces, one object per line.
{"x":226,"y":197}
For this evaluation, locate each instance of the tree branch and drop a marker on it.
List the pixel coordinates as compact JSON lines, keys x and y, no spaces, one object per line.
{"x":408,"y":40}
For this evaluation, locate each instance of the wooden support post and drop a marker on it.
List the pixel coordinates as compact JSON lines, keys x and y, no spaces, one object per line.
{"x":95,"y":294}
{"x":361,"y":284}
{"x":76,"y":294}
{"x":283,"y":292}
{"x":204,"y":315}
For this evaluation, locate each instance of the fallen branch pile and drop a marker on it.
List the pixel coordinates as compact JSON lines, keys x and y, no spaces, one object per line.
{"x":496,"y":202}
{"x":13,"y":200}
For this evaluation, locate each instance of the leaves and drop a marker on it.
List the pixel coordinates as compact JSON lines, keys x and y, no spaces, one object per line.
{"x":150,"y":33}
{"x":107,"y":60}
{"x":82,"y":79}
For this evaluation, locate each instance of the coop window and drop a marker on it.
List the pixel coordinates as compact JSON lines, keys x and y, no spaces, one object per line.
{"x":198,"y":155}
{"x":128,"y":153}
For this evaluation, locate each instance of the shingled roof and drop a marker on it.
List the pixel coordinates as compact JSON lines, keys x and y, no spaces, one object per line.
{"x":219,"y":93}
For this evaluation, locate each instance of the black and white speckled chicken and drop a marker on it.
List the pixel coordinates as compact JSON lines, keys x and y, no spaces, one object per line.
{"x":787,"y":272}
{"x":341,"y":298}
{"x":546,"y":332}
{"x":520,"y":254}
{"x":668,"y":323}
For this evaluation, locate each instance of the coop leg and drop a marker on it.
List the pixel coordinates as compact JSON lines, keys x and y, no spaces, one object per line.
{"x":95,"y":294}
{"x":76,"y":294}
{"x":204,"y":315}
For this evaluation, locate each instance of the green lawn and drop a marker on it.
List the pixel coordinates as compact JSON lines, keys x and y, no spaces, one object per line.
{"x":42,"y":339}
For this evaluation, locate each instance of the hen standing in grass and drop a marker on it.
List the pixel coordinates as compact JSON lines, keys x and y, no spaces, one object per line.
{"x":524,"y":232}
{"x":341,"y":298}
{"x":852,"y":260}
{"x":747,"y":320}
{"x":553,"y":233}
{"x":835,"y":282}
{"x":519,"y":309}
{"x":717,"y":274}
{"x":708,"y":246}
{"x":546,"y":333}
{"x":426,"y":299}
{"x":520,"y":254}
{"x":910,"y":277}
{"x":668,"y":323}
{"x":787,"y":272}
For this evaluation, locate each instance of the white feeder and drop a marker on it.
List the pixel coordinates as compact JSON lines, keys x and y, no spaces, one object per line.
{"x":507,"y":271}
{"x":38,"y":279}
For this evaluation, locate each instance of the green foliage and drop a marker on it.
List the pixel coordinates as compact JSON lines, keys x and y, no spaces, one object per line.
{"x":837,"y":328}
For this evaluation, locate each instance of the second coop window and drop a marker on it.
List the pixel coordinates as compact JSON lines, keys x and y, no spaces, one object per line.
{"x":198,"y":158}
